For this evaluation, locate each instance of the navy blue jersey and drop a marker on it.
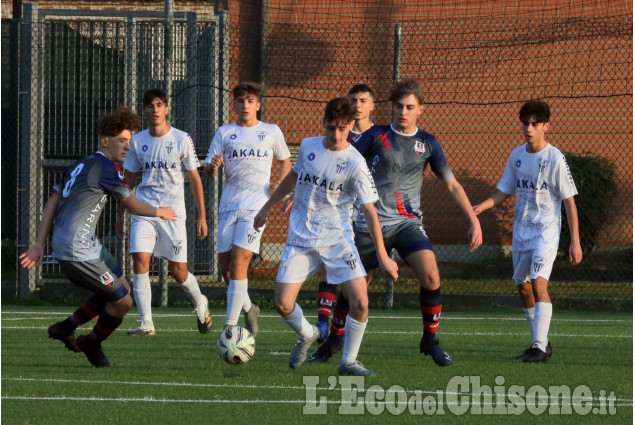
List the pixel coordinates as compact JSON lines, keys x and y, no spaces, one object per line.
{"x":84,"y":190}
{"x":397,"y":162}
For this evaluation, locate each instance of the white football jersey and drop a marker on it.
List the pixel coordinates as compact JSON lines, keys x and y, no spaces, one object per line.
{"x":248,"y":154}
{"x":328,"y":183}
{"x":162,"y":161}
{"x":541,"y":181}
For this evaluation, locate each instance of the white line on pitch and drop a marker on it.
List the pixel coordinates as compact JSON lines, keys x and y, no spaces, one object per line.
{"x":445,"y":317}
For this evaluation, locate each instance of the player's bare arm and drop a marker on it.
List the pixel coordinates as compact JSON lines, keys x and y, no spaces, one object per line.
{"x":35,"y":253}
{"x":575,"y":249}
{"x":211,"y":169}
{"x":475,"y":235}
{"x":197,"y":190}
{"x":131,"y":181}
{"x":387,"y":265}
{"x":285,"y":167}
{"x":137,"y":207}
{"x":286,"y":186}
{"x":496,"y":198}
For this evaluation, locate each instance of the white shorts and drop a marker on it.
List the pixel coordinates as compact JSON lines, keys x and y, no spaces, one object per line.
{"x":164,"y":239}
{"x":237,"y":228}
{"x":341,"y":262}
{"x":532,"y":264}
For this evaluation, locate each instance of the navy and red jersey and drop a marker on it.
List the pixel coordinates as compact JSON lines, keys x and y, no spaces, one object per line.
{"x":397,"y":162}
{"x":84,"y":191}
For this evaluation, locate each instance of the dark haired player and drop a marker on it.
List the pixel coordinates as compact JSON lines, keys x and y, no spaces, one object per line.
{"x":397,"y":156}
{"x":75,"y":206}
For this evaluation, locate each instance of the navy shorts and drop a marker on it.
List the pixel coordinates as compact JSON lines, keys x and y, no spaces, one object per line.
{"x":100,"y":276}
{"x":406,"y":237}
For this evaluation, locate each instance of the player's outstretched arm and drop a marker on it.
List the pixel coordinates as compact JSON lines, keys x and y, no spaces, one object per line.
{"x":474,"y":233}
{"x":285,"y":187}
{"x":197,"y":190}
{"x":35,"y":253}
{"x":387,"y":265}
{"x":575,"y":248}
{"x":138,"y":207}
{"x":496,"y":198}
{"x":131,"y":181}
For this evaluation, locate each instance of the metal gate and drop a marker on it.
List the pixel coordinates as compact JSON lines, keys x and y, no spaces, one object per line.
{"x":75,"y":64}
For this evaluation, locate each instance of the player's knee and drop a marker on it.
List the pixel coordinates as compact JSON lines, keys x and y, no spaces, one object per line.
{"x":358,"y":307}
{"x":179,"y":275}
{"x":284,"y":309}
{"x":431,"y":282}
{"x":123,"y":305}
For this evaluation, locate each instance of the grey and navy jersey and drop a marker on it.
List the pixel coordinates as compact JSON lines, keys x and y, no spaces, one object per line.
{"x":84,"y":190}
{"x":397,"y":162}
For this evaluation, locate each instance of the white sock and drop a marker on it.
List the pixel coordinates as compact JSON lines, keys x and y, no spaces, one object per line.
{"x":246,"y":302}
{"x":298,"y":322}
{"x":143,"y":295}
{"x":529,"y":315}
{"x":193,"y":291}
{"x":354,"y":332}
{"x":236,"y":293}
{"x":541,"y":325}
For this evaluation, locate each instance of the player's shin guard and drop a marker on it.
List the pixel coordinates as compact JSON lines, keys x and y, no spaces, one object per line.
{"x":106,"y":325}
{"x":354,"y":334}
{"x":84,"y":314}
{"x":191,"y":288}
{"x":326,"y":298}
{"x":529,"y":316}
{"x":143,"y":295}
{"x":339,"y":317}
{"x":542,"y":322}
{"x":430,"y":303}
{"x":236,"y":293}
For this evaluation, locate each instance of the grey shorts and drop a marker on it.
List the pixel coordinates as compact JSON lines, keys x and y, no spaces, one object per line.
{"x":406,"y":237}
{"x":100,"y":276}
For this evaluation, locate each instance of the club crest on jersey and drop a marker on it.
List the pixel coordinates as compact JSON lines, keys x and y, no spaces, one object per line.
{"x":233,"y":136}
{"x":351,"y":260}
{"x":540,"y":262}
{"x":251,"y":235}
{"x":178,"y":246}
{"x":144,"y":148}
{"x":542,"y":165}
{"x":106,"y":279}
{"x":120,"y":174}
{"x":518,"y":163}
{"x":341,"y":164}
{"x":261,"y":135}
{"x":169,"y":147}
{"x":311,"y":156}
{"x":419,"y":147}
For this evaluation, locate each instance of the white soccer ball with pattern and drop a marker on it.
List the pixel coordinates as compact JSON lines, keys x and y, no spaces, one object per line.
{"x":236,"y":345}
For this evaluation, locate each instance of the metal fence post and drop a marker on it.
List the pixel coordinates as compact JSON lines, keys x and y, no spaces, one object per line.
{"x":31,"y":138}
{"x":396,"y":69}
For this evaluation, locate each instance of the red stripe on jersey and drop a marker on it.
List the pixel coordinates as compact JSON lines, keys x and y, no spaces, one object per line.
{"x":385,"y":142}
{"x":401,"y":207}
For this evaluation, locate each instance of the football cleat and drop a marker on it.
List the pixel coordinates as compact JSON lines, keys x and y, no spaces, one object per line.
{"x":145,"y":328}
{"x":301,"y":349}
{"x":437,"y":353}
{"x":55,"y":332}
{"x":548,"y":352}
{"x":203,"y":318}
{"x":323,"y":327}
{"x":93,"y":351}
{"x":536,"y":355}
{"x":251,"y":319}
{"x":326,"y":350}
{"x":354,"y":369}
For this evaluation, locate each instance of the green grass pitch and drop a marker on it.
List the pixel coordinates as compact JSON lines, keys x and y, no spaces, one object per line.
{"x":177,"y":377}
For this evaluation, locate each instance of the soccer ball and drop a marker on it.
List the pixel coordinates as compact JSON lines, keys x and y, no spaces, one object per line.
{"x":236,"y":345}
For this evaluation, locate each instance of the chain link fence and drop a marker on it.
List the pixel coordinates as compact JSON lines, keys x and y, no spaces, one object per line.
{"x":61,"y":69}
